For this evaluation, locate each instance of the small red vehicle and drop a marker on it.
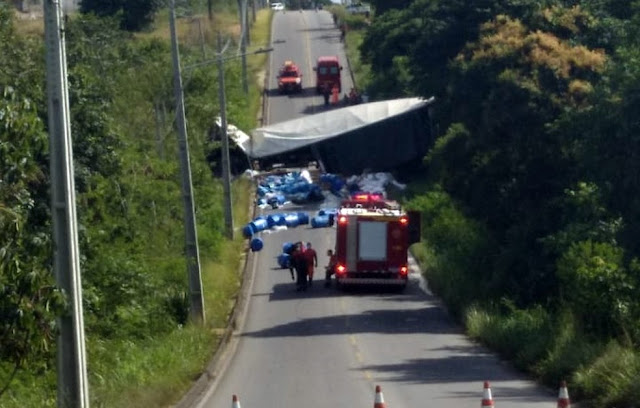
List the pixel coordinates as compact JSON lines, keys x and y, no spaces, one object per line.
{"x":289,"y":78}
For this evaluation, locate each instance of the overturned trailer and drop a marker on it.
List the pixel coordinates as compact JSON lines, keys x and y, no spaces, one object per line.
{"x":377,"y":136}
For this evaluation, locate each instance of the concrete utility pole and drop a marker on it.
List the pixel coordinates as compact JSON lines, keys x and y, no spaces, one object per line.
{"x":253,"y":11}
{"x":242,"y":4}
{"x":196,"y":301}
{"x":226,"y":171}
{"x":73,"y":388}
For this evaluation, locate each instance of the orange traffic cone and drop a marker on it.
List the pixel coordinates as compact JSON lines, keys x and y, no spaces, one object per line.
{"x":378,"y":402}
{"x":487,"y":400}
{"x":563,"y":396}
{"x":235,"y":402}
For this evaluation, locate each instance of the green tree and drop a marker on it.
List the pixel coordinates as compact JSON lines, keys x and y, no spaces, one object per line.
{"x":134,"y":15}
{"x":29,"y":302}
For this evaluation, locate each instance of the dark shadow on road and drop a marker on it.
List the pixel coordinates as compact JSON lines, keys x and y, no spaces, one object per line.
{"x":477,"y":366}
{"x":426,"y":320}
{"x":331,"y":38}
{"x":325,"y":27}
{"x":287,"y":291}
{"x":317,"y":108}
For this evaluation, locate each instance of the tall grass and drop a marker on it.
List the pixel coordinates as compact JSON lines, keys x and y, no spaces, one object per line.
{"x":547,"y":342}
{"x":157,"y":369}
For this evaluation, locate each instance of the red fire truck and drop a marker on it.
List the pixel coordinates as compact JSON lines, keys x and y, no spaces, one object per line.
{"x":372,"y":239}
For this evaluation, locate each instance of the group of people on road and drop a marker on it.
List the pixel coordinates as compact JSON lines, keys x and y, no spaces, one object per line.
{"x":303,"y":260}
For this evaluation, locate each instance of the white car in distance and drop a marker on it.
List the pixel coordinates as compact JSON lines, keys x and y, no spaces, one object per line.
{"x":277,"y":6}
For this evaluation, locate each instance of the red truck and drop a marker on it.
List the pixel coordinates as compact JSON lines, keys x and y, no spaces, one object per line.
{"x":289,"y":78}
{"x":372,"y":239}
{"x":328,"y":70}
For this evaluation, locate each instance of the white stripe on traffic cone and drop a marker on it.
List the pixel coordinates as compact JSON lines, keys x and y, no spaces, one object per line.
{"x":563,"y":396}
{"x":378,"y":402}
{"x":487,"y":400}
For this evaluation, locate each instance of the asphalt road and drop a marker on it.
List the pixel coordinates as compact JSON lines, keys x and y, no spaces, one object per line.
{"x":302,"y":37}
{"x":327,"y":348}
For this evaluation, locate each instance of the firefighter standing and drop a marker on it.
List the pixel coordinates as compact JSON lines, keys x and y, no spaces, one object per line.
{"x":330,"y":269}
{"x":301,"y":266}
{"x":312,"y":260}
{"x":291,"y":251}
{"x":326,"y":92}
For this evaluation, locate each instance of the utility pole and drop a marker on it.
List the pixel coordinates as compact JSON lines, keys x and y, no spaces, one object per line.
{"x":196,"y":301}
{"x":204,"y":54}
{"x":73,"y":388}
{"x":253,"y":11}
{"x":226,"y":176}
{"x":242,"y":4}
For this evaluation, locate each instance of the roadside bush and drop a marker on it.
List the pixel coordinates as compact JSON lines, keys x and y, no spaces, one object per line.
{"x":522,"y":336}
{"x":597,"y":288}
{"x":458,"y":249}
{"x":612,"y":379}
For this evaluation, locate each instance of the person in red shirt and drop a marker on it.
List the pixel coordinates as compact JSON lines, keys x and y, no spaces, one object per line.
{"x":300,"y":264}
{"x":312,"y":261}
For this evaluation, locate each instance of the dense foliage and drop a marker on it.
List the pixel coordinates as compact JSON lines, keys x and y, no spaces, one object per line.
{"x":534,"y":191}
{"x":129,"y":203}
{"x":134,"y":15}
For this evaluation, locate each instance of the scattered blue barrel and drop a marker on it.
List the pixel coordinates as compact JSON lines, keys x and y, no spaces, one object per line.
{"x":275,"y":219}
{"x":286,"y":247}
{"x":247,"y":231}
{"x":262,"y":190}
{"x":259,"y":224}
{"x":291,"y":220}
{"x":283,"y":260}
{"x":320,"y":221}
{"x":303,"y":218}
{"x":256,"y":244}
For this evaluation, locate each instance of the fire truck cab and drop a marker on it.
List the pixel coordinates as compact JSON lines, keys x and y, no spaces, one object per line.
{"x":289,"y":78}
{"x":373,"y":236}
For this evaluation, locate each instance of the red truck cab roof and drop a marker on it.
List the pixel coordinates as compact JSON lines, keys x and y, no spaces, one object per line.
{"x":325,"y":59}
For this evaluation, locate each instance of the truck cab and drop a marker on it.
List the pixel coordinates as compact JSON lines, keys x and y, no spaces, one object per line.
{"x":289,"y":78}
{"x":328,"y":70}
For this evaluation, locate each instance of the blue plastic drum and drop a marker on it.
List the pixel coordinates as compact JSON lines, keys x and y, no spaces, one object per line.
{"x":320,"y":221}
{"x":275,"y":219}
{"x":259,"y":224}
{"x":287,"y":246}
{"x":283,"y":260}
{"x":247,"y":231}
{"x":291,"y":220}
{"x":303,"y":218}
{"x":256,"y":244}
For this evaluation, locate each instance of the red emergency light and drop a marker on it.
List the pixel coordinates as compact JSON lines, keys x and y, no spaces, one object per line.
{"x":404,"y":220}
{"x":340,"y":269}
{"x":404,"y":271}
{"x":367,"y":197}
{"x":342,"y":220}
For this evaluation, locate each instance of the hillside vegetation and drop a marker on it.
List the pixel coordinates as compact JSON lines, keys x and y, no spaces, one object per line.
{"x":530,"y":195}
{"x":141,"y":349}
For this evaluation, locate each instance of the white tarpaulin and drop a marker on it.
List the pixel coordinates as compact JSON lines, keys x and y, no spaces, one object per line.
{"x":294,"y":134}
